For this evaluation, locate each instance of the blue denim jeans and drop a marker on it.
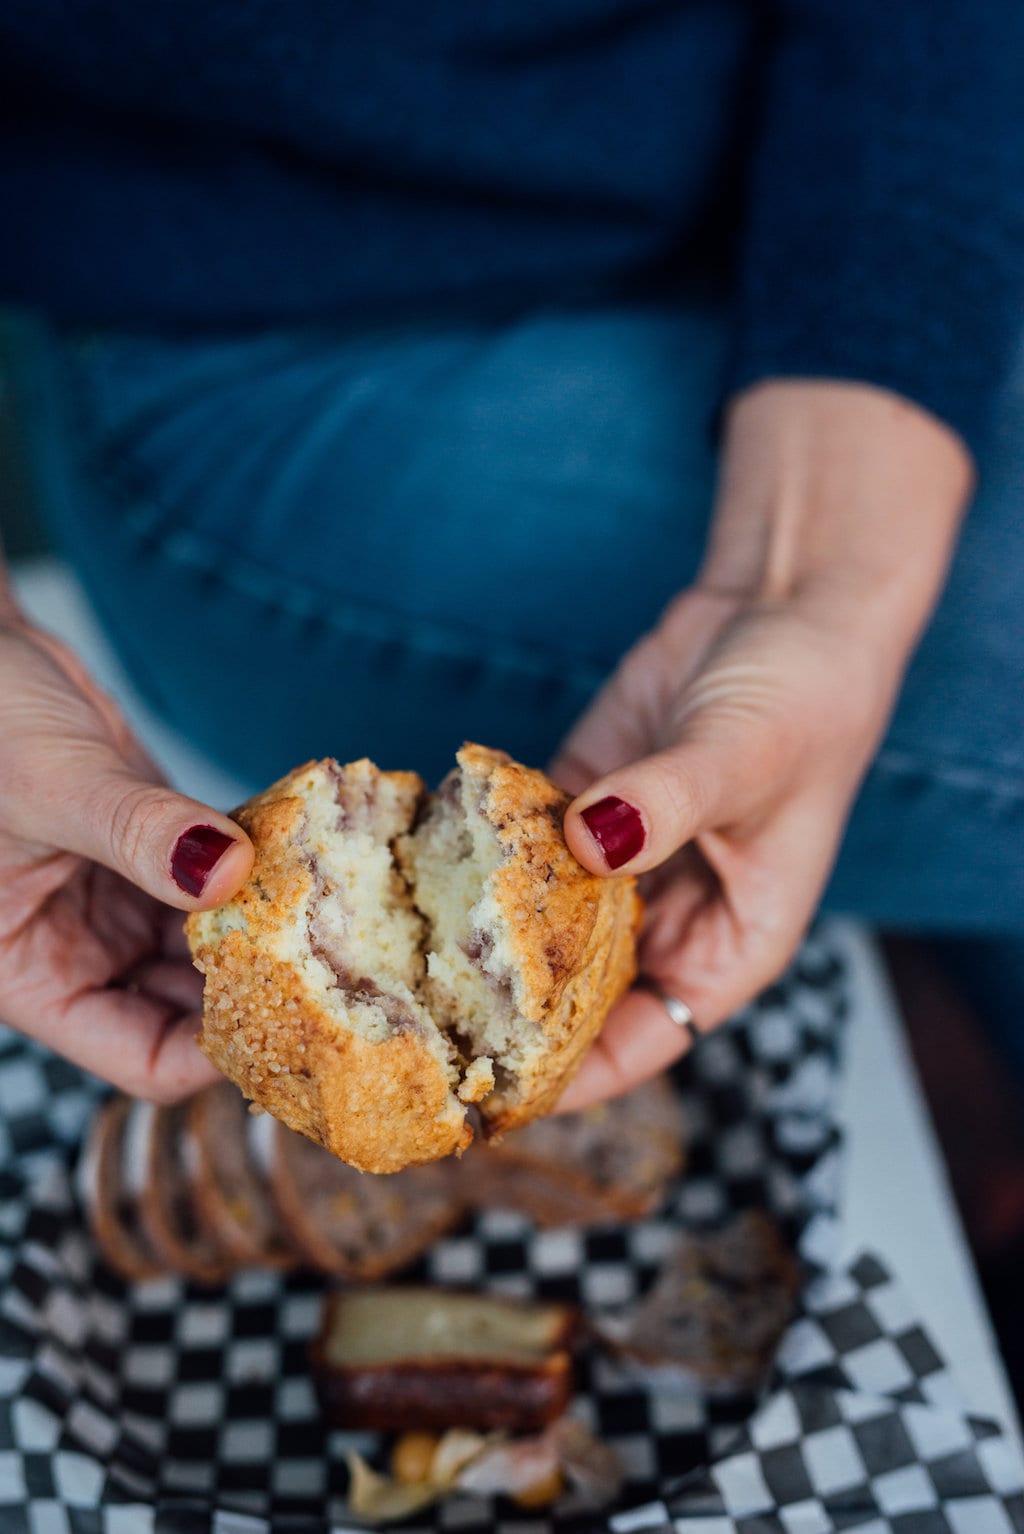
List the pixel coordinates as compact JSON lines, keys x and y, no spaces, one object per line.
{"x":385,"y":540}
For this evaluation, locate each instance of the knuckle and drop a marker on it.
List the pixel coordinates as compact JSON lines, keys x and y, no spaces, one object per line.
{"x":136,"y":821}
{"x":682,"y":788}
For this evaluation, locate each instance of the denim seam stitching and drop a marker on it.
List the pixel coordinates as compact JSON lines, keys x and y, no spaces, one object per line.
{"x":147,"y":518}
{"x":290,"y":596}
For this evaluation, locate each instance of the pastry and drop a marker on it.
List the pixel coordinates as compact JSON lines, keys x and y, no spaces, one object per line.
{"x":718,"y":1310}
{"x":351,"y":1223}
{"x":230,"y":1188}
{"x":111,"y":1176}
{"x":394,"y":958}
{"x":391,"y":1359}
{"x":613,"y":1161}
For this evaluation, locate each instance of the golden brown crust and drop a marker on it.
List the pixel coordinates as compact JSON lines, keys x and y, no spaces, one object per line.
{"x":122,"y":1244}
{"x":378,"y":1106}
{"x":573,"y":934}
{"x":381,"y":1105}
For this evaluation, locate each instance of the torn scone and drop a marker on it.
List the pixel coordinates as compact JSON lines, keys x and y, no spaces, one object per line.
{"x":395,"y":957}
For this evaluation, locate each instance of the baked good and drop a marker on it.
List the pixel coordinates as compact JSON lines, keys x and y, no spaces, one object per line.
{"x":718,"y":1309}
{"x":351,"y":1223}
{"x":613,"y":1161}
{"x":230,"y":1190}
{"x":311,"y":972}
{"x":167,"y":1207}
{"x":218,"y":1187}
{"x":111,"y":1177}
{"x":391,"y":1359}
{"x":393,"y":958}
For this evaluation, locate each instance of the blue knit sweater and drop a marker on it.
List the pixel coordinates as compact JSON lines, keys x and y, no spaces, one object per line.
{"x":850,"y":171}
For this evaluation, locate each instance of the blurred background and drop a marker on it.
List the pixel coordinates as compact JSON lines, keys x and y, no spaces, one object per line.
{"x":23,"y":535}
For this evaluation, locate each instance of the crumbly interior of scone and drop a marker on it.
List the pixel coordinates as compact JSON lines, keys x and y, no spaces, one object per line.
{"x":407,"y":926}
{"x":361,"y":944}
{"x":401,"y":928}
{"x":470,"y":984}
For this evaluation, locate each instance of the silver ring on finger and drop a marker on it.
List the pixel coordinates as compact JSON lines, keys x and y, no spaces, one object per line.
{"x":677,"y":1009}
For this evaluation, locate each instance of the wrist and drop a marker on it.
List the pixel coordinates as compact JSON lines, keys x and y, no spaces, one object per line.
{"x":841,"y":497}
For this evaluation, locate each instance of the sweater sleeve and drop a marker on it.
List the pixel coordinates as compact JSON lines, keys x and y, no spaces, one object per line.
{"x":884,"y":238}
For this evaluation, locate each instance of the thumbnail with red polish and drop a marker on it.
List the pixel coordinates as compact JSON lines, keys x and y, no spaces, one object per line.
{"x":617,"y":828}
{"x":196,"y":854}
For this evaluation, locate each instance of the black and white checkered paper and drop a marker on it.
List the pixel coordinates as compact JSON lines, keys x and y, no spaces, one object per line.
{"x":166,"y":1409}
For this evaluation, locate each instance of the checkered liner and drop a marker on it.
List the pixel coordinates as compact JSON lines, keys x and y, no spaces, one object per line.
{"x":165,"y":1409}
{"x":864,"y":1431}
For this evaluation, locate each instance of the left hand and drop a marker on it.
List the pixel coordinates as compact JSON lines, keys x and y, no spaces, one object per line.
{"x":98,"y":860}
{"x":722,"y":758}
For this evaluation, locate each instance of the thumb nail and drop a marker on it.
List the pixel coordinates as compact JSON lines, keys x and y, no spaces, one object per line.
{"x":616,"y":828}
{"x":196,"y":854}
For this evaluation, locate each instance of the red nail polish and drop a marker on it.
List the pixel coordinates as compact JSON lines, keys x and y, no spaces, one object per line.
{"x":196,"y":854}
{"x":617,"y":828}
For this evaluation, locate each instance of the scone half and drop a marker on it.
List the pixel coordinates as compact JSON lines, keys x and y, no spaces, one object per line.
{"x":527,"y":951}
{"x":311,"y":973}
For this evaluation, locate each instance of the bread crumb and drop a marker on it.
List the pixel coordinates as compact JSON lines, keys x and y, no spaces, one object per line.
{"x":478,"y":1080}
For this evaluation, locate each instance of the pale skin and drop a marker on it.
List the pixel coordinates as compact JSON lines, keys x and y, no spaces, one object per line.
{"x":739,"y":729}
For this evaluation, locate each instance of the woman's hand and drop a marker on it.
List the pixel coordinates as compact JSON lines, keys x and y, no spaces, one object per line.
{"x":722,"y":758}
{"x":93,"y":852}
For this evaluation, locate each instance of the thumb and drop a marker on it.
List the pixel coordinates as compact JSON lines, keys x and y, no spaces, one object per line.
{"x":92,"y":804}
{"x":631,"y":820}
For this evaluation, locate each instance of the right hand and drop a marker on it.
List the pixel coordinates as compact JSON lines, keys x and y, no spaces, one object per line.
{"x":730,"y":742}
{"x":94,"y":848}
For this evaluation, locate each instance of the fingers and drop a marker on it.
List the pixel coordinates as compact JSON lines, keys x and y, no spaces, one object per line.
{"x":624,"y":720}
{"x":732,"y":806}
{"x":633,"y":819}
{"x":171,"y":981}
{"x":176,"y":849}
{"x":74,"y":780}
{"x":648,"y":803}
{"x":140,"y":1044}
{"x":638,"y":1041}
{"x":714,"y":940}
